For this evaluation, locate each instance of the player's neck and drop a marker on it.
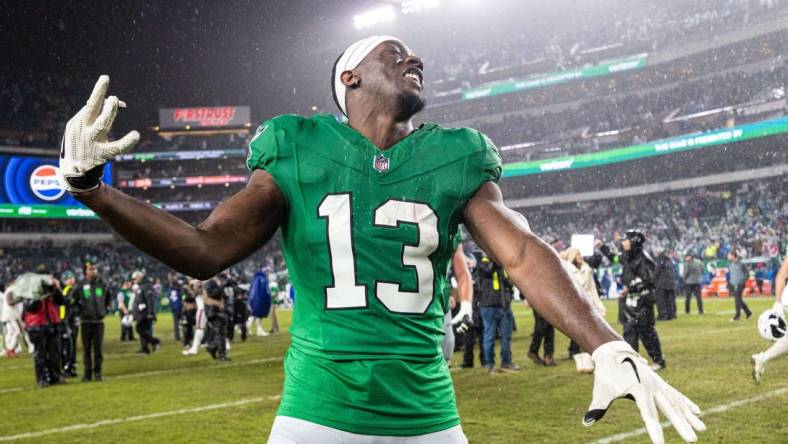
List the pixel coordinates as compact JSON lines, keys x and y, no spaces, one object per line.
{"x":383,"y":130}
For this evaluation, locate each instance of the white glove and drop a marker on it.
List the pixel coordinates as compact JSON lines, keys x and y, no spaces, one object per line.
{"x":85,"y":149}
{"x":779,"y":308}
{"x":623,"y":373}
{"x":463,"y":317}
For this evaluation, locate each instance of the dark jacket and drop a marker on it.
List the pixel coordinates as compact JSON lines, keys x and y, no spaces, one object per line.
{"x":665,"y":275}
{"x":143,"y":306}
{"x":92,"y":298}
{"x":494,"y":287}
{"x":639,"y":275}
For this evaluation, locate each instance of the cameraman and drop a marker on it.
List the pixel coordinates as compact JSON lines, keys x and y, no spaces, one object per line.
{"x":93,"y":296}
{"x":638,"y":297}
{"x":217,"y":318}
{"x":41,"y":321}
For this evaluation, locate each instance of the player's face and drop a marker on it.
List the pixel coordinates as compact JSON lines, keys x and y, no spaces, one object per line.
{"x":392,"y":69}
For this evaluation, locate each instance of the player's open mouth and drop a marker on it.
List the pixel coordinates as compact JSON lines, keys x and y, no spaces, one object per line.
{"x":413,"y":75}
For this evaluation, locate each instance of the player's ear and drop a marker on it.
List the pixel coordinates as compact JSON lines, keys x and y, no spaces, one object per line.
{"x":350,"y":79}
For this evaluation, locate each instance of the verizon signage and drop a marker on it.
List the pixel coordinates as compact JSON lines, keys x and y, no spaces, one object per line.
{"x":204,"y":117}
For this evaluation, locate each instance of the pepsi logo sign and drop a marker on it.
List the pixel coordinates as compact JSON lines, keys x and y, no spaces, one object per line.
{"x":45,"y":184}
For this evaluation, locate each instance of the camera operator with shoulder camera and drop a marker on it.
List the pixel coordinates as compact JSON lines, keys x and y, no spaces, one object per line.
{"x":213,"y":290}
{"x":636,"y":303}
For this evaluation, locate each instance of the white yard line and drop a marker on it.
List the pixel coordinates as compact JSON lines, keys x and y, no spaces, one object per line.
{"x":106,"y":422}
{"x":711,"y":411}
{"x":708,"y":332}
{"x":160,"y":372}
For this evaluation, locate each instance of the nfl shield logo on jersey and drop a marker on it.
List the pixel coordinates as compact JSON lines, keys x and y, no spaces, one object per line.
{"x":381,"y":163}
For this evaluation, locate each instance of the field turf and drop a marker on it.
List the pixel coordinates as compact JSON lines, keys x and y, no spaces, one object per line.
{"x":167,"y":397}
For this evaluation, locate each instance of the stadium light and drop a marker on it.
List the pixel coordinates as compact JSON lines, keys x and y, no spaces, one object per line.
{"x":410,"y":6}
{"x":381,"y":14}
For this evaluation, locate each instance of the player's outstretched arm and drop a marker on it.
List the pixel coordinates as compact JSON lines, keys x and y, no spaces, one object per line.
{"x":234,"y":230}
{"x":536,"y":270}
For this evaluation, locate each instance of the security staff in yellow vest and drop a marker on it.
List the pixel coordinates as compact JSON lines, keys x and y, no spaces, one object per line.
{"x":69,"y":326}
{"x":93,"y":296}
{"x":495,"y":300}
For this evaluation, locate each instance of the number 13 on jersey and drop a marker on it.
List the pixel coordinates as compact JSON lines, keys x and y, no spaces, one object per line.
{"x":345,"y":291}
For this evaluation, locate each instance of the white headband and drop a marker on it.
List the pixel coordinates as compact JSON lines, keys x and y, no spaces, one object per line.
{"x":351,"y":58}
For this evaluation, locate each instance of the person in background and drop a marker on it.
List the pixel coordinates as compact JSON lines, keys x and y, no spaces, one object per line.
{"x":93,"y":296}
{"x":13,"y":325}
{"x":41,"y":320}
{"x":692,"y":277}
{"x":460,"y":294}
{"x":584,"y":277}
{"x":476,"y":332}
{"x":213,"y":290}
{"x":666,"y":287}
{"x":125,"y":296}
{"x":174,"y":296}
{"x":241,"y":310}
{"x":195,"y":314}
{"x":69,"y":325}
{"x":780,"y":347}
{"x":259,"y":301}
{"x":143,"y":310}
{"x":496,"y":295}
{"x":637,"y":309}
{"x":738,"y":276}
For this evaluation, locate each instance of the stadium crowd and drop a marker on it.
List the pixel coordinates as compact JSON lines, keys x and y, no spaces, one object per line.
{"x":591,"y":37}
{"x":750,"y":217}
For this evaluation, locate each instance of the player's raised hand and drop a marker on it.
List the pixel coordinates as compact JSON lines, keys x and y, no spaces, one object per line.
{"x":85,"y":147}
{"x":622,"y":373}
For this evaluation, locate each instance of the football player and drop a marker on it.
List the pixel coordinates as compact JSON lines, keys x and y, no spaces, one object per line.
{"x":377,"y":202}
{"x":780,"y":347}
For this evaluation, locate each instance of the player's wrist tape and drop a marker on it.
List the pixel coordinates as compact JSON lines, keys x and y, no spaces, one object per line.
{"x":86,"y":182}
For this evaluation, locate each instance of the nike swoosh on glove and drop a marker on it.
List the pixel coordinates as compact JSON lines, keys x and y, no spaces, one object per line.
{"x":462,"y":320}
{"x":622,"y":373}
{"x":85,"y":147}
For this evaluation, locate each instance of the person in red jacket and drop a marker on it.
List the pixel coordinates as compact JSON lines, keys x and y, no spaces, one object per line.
{"x":41,"y":319}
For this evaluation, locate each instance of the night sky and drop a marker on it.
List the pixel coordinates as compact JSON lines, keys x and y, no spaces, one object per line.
{"x":275,"y":56}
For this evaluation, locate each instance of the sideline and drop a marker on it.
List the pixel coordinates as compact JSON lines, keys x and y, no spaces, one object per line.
{"x":105,"y":422}
{"x":159,"y":372}
{"x":714,"y":410}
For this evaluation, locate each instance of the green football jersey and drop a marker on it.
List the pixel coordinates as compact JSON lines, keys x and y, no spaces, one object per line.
{"x":368,"y":238}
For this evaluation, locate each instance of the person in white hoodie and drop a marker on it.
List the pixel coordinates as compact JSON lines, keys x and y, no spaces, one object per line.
{"x":583,"y":276}
{"x":11,"y":316}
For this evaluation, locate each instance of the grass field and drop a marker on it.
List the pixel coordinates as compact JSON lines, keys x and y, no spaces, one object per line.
{"x":170,"y":398}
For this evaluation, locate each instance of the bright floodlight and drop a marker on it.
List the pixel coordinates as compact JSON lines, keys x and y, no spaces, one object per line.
{"x":372,"y":17}
{"x":409,"y":6}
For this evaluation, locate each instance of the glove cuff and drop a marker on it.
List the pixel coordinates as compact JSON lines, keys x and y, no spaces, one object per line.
{"x":612,"y":348}
{"x":86,"y":182}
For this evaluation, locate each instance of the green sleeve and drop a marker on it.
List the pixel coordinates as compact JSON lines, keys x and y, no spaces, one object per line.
{"x":266,"y":153}
{"x":491,"y":160}
{"x":264,"y":148}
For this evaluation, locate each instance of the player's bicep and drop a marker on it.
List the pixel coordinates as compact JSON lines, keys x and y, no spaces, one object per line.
{"x":501,"y":232}
{"x":244,"y":222}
